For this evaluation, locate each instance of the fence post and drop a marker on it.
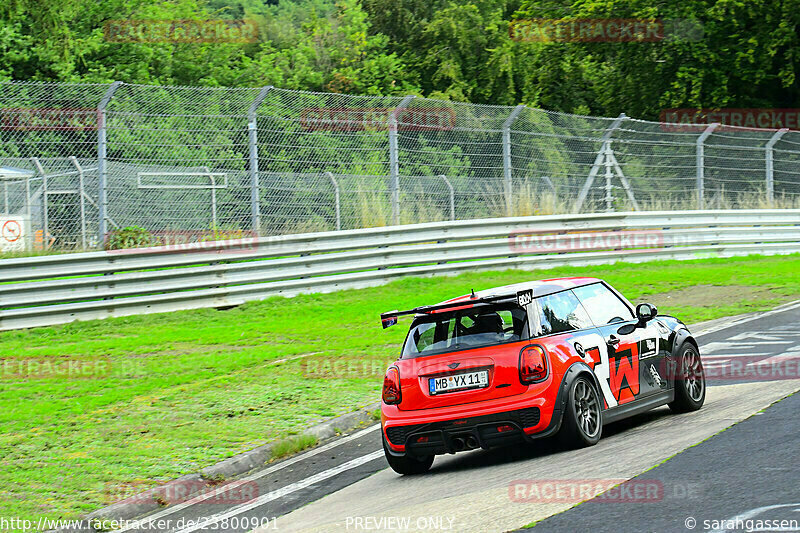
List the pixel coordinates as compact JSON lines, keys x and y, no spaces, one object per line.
{"x":598,"y":162}
{"x":78,"y":167}
{"x":394,"y":161}
{"x":700,"y":154}
{"x":771,"y":164}
{"x":452,"y":196}
{"x":45,"y":221}
{"x":507,"y":184}
{"x":337,"y":204}
{"x":101,"y":160}
{"x":252,"y":131}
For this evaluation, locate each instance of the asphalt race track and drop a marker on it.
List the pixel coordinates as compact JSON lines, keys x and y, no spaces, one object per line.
{"x":750,"y":472}
{"x":345,"y":485}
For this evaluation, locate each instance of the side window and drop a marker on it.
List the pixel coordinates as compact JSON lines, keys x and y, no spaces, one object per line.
{"x":562,"y":312}
{"x":603,"y":306}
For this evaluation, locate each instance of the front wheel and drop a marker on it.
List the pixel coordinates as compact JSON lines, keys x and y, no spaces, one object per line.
{"x":690,"y":381}
{"x":583,"y":420}
{"x":407,"y":465}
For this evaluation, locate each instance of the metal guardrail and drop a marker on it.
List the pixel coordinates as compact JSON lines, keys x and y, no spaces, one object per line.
{"x":56,"y":289}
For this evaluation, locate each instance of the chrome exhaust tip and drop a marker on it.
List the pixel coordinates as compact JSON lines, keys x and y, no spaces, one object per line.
{"x":459,"y":444}
{"x":471,"y":442}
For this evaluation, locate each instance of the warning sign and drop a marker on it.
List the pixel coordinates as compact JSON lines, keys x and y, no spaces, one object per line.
{"x":12,"y":234}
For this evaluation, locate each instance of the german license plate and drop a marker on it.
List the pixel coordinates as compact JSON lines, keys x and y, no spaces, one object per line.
{"x":468,"y":380}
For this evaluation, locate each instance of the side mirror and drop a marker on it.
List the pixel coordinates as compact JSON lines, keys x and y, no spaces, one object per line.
{"x":645,"y":313}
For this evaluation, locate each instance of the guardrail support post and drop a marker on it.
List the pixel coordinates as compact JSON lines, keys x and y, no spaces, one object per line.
{"x":337,"y":204}
{"x":598,"y":162}
{"x":252,"y":131}
{"x":771,"y":164}
{"x":700,"y":154}
{"x":394,"y":160}
{"x":101,"y":161}
{"x":507,"y":183}
{"x":452,"y":196}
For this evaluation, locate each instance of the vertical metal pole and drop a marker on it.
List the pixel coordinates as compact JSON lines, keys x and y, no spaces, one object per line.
{"x":394,"y":160}
{"x":5,"y":192}
{"x":101,"y":159}
{"x":337,"y":205}
{"x":29,"y":237}
{"x":507,"y":183}
{"x":452,"y":196}
{"x":700,"y":179}
{"x":252,"y":131}
{"x":598,"y":161}
{"x":609,"y":175}
{"x":771,"y":164}
{"x":45,"y":229}
{"x":81,"y":193}
{"x":213,"y":200}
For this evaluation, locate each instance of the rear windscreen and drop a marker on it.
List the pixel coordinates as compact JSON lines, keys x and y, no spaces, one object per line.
{"x":464,"y":329}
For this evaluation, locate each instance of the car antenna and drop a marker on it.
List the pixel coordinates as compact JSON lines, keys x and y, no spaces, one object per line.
{"x":473,"y":294}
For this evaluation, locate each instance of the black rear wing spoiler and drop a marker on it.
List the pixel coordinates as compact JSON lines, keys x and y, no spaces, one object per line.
{"x":522,"y":298}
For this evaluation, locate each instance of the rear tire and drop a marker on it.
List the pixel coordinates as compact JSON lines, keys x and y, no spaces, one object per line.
{"x":582,"y":423}
{"x":407,"y":465}
{"x":690,"y":381}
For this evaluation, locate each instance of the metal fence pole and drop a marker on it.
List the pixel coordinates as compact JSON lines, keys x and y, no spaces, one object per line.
{"x":252,"y":130}
{"x":771,"y":164}
{"x":452,"y":196}
{"x":29,"y":238}
{"x":78,"y":167}
{"x":45,"y":229}
{"x":337,"y":204}
{"x":214,"y":225}
{"x":598,"y":162}
{"x":609,"y":176}
{"x":101,"y":159}
{"x":394,"y":159}
{"x":507,"y":183}
{"x":700,"y":163}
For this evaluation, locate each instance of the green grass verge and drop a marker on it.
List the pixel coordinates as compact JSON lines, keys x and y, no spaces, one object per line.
{"x":187,"y":389}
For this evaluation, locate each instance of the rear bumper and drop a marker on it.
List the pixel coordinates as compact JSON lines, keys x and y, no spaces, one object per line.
{"x":486,"y":426}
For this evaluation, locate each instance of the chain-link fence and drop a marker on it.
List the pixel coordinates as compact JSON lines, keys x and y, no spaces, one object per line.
{"x":81,"y":161}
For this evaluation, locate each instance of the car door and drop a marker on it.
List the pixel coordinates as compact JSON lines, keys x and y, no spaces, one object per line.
{"x":635,"y":360}
{"x":562,"y":323}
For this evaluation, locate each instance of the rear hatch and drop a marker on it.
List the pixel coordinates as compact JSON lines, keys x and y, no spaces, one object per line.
{"x":462,"y":356}
{"x":464,"y":371}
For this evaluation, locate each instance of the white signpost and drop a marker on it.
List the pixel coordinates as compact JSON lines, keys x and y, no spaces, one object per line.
{"x":13,"y":234}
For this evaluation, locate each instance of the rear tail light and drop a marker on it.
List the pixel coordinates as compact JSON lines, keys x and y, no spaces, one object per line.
{"x":391,"y":387}
{"x":532,"y":364}
{"x":504,"y":429}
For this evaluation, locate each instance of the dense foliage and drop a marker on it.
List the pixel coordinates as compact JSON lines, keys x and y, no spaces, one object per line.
{"x":746,"y":53}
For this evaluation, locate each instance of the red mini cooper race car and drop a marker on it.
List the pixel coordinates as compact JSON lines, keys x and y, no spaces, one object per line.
{"x":516,"y":363}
